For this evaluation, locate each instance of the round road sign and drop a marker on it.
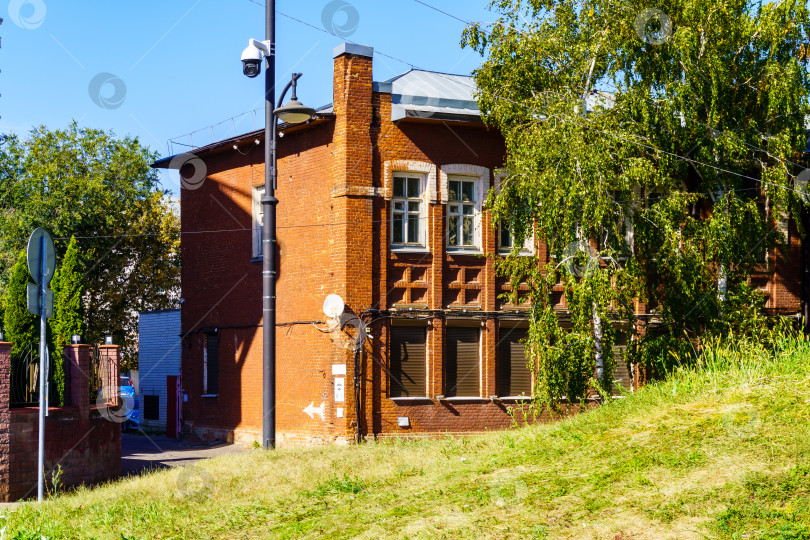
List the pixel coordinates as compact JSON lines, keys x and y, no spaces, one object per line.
{"x":40,"y":246}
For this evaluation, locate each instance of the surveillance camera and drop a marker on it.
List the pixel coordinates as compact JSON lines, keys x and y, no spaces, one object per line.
{"x":251,"y":61}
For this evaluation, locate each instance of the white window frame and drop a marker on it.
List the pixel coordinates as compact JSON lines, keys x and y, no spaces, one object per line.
{"x":407,"y":165}
{"x":526,"y":249}
{"x":474,"y":172}
{"x":528,"y":244}
{"x":477,"y":209}
{"x":258,"y":216}
{"x":421,"y":244}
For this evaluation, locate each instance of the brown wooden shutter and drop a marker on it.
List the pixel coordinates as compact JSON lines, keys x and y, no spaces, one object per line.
{"x":621,"y":375}
{"x":462,"y":362}
{"x":514,"y":375}
{"x":407,"y":361}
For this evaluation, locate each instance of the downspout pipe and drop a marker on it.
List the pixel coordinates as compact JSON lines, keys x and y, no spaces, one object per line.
{"x":358,"y":354}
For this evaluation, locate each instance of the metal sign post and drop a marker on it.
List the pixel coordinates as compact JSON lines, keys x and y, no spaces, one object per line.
{"x":41,"y":266}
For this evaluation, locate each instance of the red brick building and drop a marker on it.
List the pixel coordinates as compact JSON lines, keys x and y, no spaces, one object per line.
{"x":381,"y":203}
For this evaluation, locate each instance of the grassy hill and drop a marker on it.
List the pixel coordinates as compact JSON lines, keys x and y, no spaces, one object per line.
{"x":721,"y":451}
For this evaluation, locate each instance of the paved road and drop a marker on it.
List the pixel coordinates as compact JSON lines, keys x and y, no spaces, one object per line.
{"x":143,"y":452}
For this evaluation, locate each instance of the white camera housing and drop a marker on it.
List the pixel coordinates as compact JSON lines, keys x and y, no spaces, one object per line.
{"x":252,"y":57}
{"x":251,"y":62}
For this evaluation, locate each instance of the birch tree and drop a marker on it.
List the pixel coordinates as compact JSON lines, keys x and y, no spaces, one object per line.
{"x":652,"y":146}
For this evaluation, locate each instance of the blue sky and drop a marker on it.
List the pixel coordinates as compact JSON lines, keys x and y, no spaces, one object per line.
{"x":159,"y":70}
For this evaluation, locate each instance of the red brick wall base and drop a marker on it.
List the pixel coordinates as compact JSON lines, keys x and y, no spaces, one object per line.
{"x":87,"y":450}
{"x":82,"y":445}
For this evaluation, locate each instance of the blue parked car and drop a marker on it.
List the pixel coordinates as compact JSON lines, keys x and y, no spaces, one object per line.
{"x":130,"y":403}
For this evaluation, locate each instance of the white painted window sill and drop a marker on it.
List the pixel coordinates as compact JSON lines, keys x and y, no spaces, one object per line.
{"x":399,"y":249}
{"x":521,"y":253}
{"x":475,"y":399}
{"x":408,"y":399}
{"x":464,"y":251}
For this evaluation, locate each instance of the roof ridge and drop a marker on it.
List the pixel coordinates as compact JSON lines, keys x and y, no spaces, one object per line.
{"x":396,"y":77}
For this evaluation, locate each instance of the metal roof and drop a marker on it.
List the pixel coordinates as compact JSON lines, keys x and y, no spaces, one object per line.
{"x":428,"y":94}
{"x":417,"y":82}
{"x":414,"y":94}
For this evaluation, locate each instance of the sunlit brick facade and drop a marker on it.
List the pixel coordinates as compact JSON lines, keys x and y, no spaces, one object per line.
{"x":443,"y":352}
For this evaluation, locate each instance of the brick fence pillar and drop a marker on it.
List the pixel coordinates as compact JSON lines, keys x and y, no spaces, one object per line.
{"x":5,"y":420}
{"x":79,"y":364}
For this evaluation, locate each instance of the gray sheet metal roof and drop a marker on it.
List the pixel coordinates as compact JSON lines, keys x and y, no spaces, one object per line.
{"x":426,"y":94}
{"x":414,"y":94}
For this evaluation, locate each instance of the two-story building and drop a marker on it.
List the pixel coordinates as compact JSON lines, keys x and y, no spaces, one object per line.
{"x":381,"y":202}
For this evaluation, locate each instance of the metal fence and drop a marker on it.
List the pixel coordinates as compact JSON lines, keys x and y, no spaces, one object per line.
{"x":25,"y":378}
{"x":103,"y":384}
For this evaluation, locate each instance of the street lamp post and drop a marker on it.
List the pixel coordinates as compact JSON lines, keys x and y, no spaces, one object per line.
{"x":293,"y":112}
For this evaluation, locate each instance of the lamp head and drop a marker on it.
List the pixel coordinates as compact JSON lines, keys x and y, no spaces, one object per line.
{"x":294,"y":112}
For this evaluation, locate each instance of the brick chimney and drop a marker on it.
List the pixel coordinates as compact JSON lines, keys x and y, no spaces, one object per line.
{"x":352,"y":106}
{"x":353,"y":195}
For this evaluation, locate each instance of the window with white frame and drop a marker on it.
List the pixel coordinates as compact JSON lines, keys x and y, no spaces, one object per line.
{"x":258,"y":221}
{"x":463,"y":212}
{"x":506,"y":241}
{"x":407,"y":211}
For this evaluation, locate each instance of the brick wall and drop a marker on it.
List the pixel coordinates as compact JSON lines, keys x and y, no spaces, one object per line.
{"x":159,"y":353}
{"x":221,"y":288}
{"x":86,"y":448}
{"x":333,"y":230}
{"x":79,"y":438}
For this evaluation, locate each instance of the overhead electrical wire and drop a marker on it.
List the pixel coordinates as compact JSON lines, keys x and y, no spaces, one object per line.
{"x":336,"y":224}
{"x":468,"y":23}
{"x":522,"y":105}
{"x":530,"y":109}
{"x":724,"y":132}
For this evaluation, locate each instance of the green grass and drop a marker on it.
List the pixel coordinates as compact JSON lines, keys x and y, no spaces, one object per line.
{"x":718,"y":452}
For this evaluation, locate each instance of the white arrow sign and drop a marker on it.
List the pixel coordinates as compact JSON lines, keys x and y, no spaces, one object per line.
{"x":312,"y":410}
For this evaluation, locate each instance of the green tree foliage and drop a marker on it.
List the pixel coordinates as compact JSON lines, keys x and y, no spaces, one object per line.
{"x":68,"y":310}
{"x":68,"y":290}
{"x":99,"y":188}
{"x":22,"y":327}
{"x":653,"y":151}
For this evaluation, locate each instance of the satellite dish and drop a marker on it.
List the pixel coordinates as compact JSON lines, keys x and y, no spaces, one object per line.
{"x":333,"y":306}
